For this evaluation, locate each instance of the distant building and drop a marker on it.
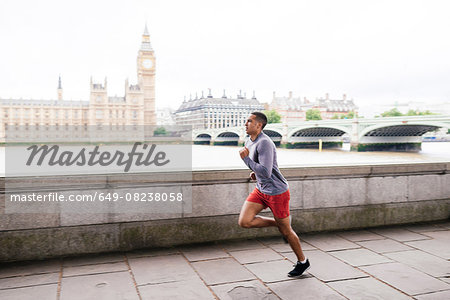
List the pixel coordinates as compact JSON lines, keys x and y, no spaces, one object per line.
{"x":210,"y":112}
{"x":164,"y":116}
{"x":293,"y":109}
{"x":137,"y":107}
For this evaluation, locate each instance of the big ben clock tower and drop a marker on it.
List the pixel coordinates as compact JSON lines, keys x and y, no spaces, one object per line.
{"x":146,"y":77}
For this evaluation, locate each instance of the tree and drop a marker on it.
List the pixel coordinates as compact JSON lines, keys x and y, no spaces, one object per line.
{"x":413,"y":112}
{"x":396,"y":113}
{"x":335,"y":117}
{"x":392,"y":113}
{"x":160,"y":131}
{"x":273,"y":116}
{"x":427,"y":112}
{"x":313,"y":114}
{"x":349,"y":115}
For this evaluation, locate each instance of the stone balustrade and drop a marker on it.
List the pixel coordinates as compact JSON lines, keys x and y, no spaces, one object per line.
{"x":322,"y":199}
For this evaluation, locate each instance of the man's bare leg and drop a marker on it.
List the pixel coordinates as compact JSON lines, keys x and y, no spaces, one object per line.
{"x":286,"y":230}
{"x":248,"y":217}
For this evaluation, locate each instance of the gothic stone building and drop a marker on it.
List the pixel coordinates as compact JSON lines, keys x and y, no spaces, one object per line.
{"x":137,"y":107}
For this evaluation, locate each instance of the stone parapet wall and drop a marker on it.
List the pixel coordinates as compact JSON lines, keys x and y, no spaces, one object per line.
{"x":322,"y":199}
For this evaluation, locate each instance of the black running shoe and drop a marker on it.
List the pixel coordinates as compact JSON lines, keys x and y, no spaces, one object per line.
{"x":299,"y":269}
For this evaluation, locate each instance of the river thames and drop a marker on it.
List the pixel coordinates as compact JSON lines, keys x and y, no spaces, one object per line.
{"x":227,"y":157}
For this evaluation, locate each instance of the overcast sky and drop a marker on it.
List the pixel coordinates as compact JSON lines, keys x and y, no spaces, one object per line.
{"x":373,"y":51}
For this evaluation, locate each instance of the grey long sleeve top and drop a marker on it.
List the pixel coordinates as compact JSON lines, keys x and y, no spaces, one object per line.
{"x":263,"y":161}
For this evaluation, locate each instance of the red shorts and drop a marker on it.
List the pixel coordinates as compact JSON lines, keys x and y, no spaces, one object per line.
{"x":278,"y":204}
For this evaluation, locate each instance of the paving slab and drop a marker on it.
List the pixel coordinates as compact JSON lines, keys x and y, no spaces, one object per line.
{"x":305,"y":288}
{"x":436,"y":247}
{"x":400,"y":234}
{"x":384,"y":246}
{"x":253,"y":289}
{"x":271,"y":240}
{"x":48,"y":291}
{"x":360,"y":257}
{"x":328,"y":268}
{"x":446,"y":225}
{"x":197,"y":253}
{"x":406,"y":279}
{"x":160,"y":269}
{"x":30,"y":268}
{"x":95,"y":269}
{"x":109,"y":286}
{"x":329,"y":242}
{"x":219,"y":271}
{"x":360,"y":235}
{"x":192,"y":289}
{"x":282,"y":247}
{"x":152,"y":252}
{"x":422,"y":261}
{"x":272,"y":271}
{"x":241,"y":245}
{"x":439,"y":235}
{"x":306,"y":246}
{"x":367,"y":288}
{"x":255,"y":255}
{"x":92,"y":259}
{"x":434,"y":296}
{"x":424,"y":228}
{"x":285,"y":247}
{"x":28,"y":280}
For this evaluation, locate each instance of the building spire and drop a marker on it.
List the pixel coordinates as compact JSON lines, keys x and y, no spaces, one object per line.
{"x":240,"y":95}
{"x":146,"y":45}
{"x":59,"y":90}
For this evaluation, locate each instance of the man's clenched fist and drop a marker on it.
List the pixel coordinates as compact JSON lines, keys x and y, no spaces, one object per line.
{"x":244,"y":152}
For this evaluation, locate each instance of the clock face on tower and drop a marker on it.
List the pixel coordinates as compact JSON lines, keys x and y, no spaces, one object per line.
{"x":147,"y":64}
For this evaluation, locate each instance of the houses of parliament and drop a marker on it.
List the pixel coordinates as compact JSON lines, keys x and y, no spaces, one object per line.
{"x":137,"y":107}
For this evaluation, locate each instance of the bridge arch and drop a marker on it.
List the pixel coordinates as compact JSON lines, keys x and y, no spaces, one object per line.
{"x":202,"y":139}
{"x":402,"y":135}
{"x":227,"y":138}
{"x":314,"y":133}
{"x":405,"y":129}
{"x":224,"y":132}
{"x":310,"y":136}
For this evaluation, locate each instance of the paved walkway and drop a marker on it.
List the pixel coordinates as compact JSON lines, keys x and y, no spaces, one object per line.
{"x":407,"y":262}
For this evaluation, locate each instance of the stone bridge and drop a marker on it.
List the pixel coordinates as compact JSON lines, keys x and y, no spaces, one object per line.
{"x":396,"y":133}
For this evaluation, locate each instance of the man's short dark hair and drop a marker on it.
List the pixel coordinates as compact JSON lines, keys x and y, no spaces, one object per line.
{"x":261,"y":118}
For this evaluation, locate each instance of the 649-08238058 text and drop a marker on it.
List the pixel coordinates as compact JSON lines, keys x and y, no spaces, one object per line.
{"x":97,"y":196}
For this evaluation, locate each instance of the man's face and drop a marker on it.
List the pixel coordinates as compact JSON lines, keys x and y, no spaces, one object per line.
{"x":252,"y":126}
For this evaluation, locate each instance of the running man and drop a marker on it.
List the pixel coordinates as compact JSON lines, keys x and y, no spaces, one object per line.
{"x":272,"y":189}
